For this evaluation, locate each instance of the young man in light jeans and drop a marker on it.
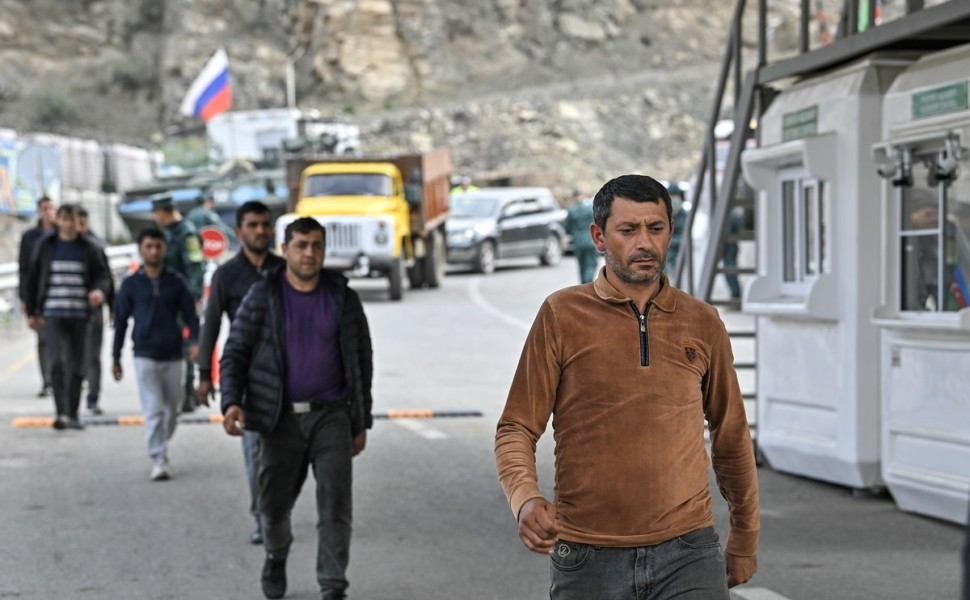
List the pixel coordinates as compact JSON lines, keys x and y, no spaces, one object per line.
{"x":155,"y":298}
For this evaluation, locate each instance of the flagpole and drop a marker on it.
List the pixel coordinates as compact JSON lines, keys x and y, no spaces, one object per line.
{"x":290,"y":83}
{"x":291,"y":57}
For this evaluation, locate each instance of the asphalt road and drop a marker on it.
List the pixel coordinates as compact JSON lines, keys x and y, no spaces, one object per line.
{"x":80,"y":519}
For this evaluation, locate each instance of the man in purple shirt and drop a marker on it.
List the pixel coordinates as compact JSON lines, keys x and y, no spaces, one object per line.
{"x":297,"y":368}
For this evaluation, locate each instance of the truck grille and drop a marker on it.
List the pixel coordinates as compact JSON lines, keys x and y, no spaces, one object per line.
{"x":343,"y":236}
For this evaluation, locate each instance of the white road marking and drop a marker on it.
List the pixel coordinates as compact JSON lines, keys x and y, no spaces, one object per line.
{"x":757,"y":593}
{"x":481,"y":302}
{"x":416,"y":426}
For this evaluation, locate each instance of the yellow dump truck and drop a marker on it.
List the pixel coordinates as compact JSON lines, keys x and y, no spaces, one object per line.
{"x":384,"y":216}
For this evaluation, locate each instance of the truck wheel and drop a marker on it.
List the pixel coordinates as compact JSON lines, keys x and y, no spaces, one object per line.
{"x":396,"y":279}
{"x":485,"y":261}
{"x":433,"y":262}
{"x":551,"y":251}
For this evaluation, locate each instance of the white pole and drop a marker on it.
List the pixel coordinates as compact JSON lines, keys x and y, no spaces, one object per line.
{"x":290,"y":83}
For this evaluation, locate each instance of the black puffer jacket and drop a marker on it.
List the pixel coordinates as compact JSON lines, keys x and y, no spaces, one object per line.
{"x":254,"y":358}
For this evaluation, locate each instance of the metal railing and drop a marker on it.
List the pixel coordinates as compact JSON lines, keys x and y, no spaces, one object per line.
{"x":119,"y":261}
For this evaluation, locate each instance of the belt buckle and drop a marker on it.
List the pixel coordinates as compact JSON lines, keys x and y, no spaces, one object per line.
{"x":301,"y":407}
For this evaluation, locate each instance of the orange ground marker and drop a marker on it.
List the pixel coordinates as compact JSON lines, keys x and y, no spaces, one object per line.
{"x":417,"y":413}
{"x":33,"y":422}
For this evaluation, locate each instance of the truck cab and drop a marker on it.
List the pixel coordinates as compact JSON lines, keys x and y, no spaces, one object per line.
{"x":383,"y":217}
{"x":363,"y":209}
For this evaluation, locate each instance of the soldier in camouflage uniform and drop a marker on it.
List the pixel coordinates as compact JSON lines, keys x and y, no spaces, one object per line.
{"x":578,"y":219}
{"x":205,"y":215}
{"x":184,"y":256}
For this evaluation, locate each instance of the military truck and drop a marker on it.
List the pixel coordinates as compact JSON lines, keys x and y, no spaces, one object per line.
{"x":384,"y":216}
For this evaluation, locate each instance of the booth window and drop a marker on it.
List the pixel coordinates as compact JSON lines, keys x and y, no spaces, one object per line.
{"x":934,"y":252}
{"x":804,"y":226}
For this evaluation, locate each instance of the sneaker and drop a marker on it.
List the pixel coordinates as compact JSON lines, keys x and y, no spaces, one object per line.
{"x":333,"y":595}
{"x":75,"y":424}
{"x":256,"y":537}
{"x":60,"y":423}
{"x":96,"y":411}
{"x":44,"y":392}
{"x":161,"y":471}
{"x":274,"y":577}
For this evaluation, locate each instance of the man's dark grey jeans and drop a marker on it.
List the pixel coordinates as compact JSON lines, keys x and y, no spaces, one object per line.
{"x":689,"y":567}
{"x":321,"y":438}
{"x":65,"y":353}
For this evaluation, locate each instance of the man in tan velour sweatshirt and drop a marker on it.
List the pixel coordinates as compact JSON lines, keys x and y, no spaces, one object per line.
{"x":630,"y":368}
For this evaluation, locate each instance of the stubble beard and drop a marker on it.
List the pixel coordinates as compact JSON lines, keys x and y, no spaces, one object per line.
{"x":627,"y":275}
{"x":257,"y":248}
{"x":304,"y":275}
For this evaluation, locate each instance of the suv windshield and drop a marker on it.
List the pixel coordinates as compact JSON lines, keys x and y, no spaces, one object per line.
{"x":348,"y":184}
{"x":473,"y":205}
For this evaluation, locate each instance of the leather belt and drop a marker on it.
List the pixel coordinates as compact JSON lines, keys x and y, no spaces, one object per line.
{"x":311,"y":405}
{"x":305,"y":407}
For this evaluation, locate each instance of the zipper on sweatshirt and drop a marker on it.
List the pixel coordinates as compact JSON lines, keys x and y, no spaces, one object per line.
{"x":644,"y":338}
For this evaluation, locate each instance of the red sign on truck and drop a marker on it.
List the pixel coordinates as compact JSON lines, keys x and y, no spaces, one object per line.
{"x":214,"y":242}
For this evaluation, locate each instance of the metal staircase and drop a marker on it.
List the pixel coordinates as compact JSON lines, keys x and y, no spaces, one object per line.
{"x":717,"y":189}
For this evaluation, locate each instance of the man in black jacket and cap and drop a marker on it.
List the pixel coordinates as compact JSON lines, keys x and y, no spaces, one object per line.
{"x":297,"y":368}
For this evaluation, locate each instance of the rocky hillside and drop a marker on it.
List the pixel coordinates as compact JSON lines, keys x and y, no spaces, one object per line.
{"x":557,"y":92}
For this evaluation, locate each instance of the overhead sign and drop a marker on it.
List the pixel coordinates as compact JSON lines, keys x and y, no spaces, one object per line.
{"x":214,"y":242}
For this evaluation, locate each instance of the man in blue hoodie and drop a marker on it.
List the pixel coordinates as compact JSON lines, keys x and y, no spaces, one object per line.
{"x":156,"y":297}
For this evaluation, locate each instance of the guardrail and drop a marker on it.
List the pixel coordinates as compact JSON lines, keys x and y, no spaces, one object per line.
{"x":119,"y":260}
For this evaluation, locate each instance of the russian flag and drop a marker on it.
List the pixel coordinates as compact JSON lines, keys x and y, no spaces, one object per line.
{"x":210,"y":93}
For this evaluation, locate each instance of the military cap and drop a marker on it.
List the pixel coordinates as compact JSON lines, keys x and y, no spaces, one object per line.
{"x":162,"y":202}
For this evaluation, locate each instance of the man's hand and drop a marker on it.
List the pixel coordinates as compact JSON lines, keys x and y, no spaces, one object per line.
{"x":205,"y":391}
{"x":538,"y":529}
{"x":740,"y":569}
{"x":35,"y":323}
{"x":193,"y":352}
{"x":234,"y":420}
{"x":95,"y":298}
{"x":116,"y":371}
{"x":360,"y":440}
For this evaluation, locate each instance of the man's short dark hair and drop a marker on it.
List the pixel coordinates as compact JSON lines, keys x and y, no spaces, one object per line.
{"x":68,"y":209}
{"x":638,"y":188}
{"x":304,"y":225}
{"x":150,"y":232}
{"x":82,"y":212}
{"x":42,"y":200}
{"x":254,"y":207}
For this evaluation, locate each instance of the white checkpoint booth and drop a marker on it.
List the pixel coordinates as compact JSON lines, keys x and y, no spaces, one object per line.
{"x":923,"y":316}
{"x":818,"y":274}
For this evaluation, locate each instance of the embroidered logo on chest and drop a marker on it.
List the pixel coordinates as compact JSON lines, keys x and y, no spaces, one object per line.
{"x":691,"y":353}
